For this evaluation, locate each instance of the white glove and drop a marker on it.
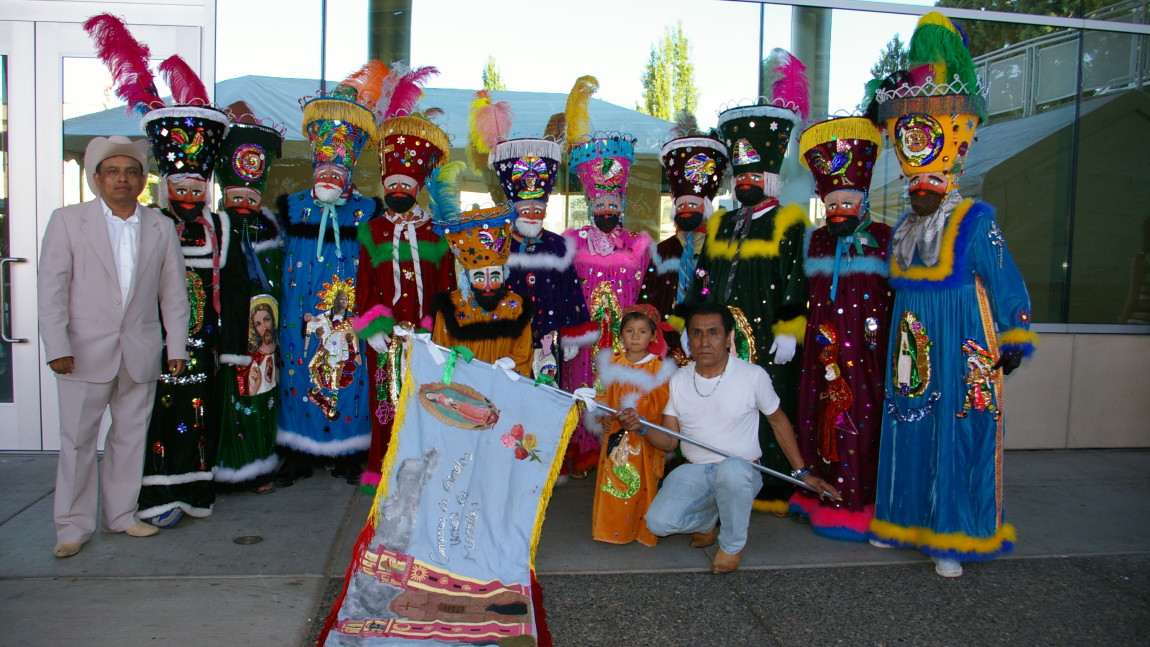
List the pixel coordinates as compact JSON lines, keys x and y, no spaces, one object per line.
{"x":784,"y":348}
{"x":586,"y":395}
{"x":569,"y":353}
{"x":379,"y":342}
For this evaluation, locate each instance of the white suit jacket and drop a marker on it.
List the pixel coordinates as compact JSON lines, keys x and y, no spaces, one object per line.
{"x":79,"y":292}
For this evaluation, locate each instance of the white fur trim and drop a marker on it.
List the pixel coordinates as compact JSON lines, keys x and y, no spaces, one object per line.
{"x":665,"y":265}
{"x":177,"y":479}
{"x":544,"y":261}
{"x":591,"y":421}
{"x":766,"y":111}
{"x":201,"y":257}
{"x":235,"y":360}
{"x":629,"y":400}
{"x":190,"y":510}
{"x":274,"y":242}
{"x":315,"y":448}
{"x":579,"y":341}
{"x":513,"y":149}
{"x":247,"y":472}
{"x":206,"y":113}
{"x":708,"y":143}
{"x":612,"y":373}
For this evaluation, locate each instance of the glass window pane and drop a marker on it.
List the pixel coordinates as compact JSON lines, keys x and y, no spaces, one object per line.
{"x":5,"y":307}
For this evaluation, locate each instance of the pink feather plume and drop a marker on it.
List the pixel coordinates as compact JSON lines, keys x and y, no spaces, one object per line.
{"x":490,"y":121}
{"x":127,"y":60}
{"x":187,"y":88}
{"x":408,"y":91}
{"x":789,"y":88}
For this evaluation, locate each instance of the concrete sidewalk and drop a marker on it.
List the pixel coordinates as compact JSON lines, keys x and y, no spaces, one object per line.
{"x":263,"y":570}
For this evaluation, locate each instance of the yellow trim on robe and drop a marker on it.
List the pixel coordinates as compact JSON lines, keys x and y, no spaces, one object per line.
{"x":773,"y":507}
{"x":946,"y":253}
{"x":796,"y":328}
{"x":954,"y":541}
{"x":785,"y":218}
{"x":1018,"y":336}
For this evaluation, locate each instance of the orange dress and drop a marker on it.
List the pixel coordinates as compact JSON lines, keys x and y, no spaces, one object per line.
{"x":629,"y":466}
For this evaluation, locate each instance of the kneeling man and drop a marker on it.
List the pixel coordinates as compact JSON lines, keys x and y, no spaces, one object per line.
{"x":717,"y":400}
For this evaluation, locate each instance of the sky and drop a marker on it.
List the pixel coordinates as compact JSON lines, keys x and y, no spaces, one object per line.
{"x":549,"y":45}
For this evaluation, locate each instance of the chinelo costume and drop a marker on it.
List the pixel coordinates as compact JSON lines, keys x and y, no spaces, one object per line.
{"x":325,"y":408}
{"x":403,"y":262}
{"x":630,"y":468}
{"x":753,"y":256}
{"x":610,"y":264}
{"x":250,"y":381}
{"x":183,"y":437}
{"x":961,"y":311}
{"x":501,"y":327}
{"x":542,"y":263}
{"x":841,"y":386}
{"x":695,"y":166}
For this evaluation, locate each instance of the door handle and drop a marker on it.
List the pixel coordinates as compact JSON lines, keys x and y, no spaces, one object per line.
{"x":5,"y":330}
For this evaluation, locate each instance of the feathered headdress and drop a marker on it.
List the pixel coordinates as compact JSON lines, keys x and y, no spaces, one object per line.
{"x":786,"y":77}
{"x":488,"y":124}
{"x":577,"y":115}
{"x":127,"y":60}
{"x":368,"y":85}
{"x":187,"y":88}
{"x":443,"y":192}
{"x":407,"y":92}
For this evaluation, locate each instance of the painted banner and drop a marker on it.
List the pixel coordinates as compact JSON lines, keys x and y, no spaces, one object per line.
{"x":447,"y":555}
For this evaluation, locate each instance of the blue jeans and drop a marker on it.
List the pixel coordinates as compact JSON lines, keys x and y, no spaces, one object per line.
{"x":694,"y":497}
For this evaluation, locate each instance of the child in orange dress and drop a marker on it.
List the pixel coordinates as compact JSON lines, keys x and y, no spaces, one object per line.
{"x":629,"y":466}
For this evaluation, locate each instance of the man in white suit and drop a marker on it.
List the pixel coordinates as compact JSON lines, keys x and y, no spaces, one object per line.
{"x":110,"y":271}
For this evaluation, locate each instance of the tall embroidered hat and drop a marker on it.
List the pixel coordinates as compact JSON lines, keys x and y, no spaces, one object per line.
{"x":527,"y":168}
{"x":932,"y":111}
{"x":340,"y":123}
{"x":694,"y":165}
{"x":478,"y":237}
{"x":841,"y":152}
{"x":409,"y":143}
{"x":757,"y":135}
{"x":186,"y":136}
{"x":603,"y":164}
{"x":249,"y":150}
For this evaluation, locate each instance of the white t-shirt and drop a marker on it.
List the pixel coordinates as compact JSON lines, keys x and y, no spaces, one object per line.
{"x":729,"y":418}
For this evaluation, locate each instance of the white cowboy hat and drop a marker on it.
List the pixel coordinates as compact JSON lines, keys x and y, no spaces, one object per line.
{"x":101,"y":148}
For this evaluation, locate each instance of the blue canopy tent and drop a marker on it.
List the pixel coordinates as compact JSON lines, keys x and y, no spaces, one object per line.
{"x":276,"y":100}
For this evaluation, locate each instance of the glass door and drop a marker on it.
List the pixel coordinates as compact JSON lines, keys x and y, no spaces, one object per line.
{"x":19,"y":346}
{"x":49,"y":77}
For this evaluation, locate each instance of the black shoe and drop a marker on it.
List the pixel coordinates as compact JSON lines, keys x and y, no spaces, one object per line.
{"x":348,"y":470}
{"x":290,"y":472}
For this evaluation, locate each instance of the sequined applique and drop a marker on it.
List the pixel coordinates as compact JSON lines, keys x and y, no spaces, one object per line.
{"x":196,"y":299}
{"x":910,"y":363}
{"x":998,"y":240}
{"x":911,"y":414}
{"x":620,"y":454}
{"x":980,"y":380}
{"x":870,"y":333}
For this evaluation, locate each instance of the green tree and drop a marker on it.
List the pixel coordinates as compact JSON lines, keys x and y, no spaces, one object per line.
{"x":492,"y":80}
{"x":985,"y":36}
{"x":669,"y":77}
{"x":892,"y":59}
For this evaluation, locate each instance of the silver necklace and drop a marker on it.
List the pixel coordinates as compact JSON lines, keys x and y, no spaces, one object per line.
{"x":707,"y":395}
